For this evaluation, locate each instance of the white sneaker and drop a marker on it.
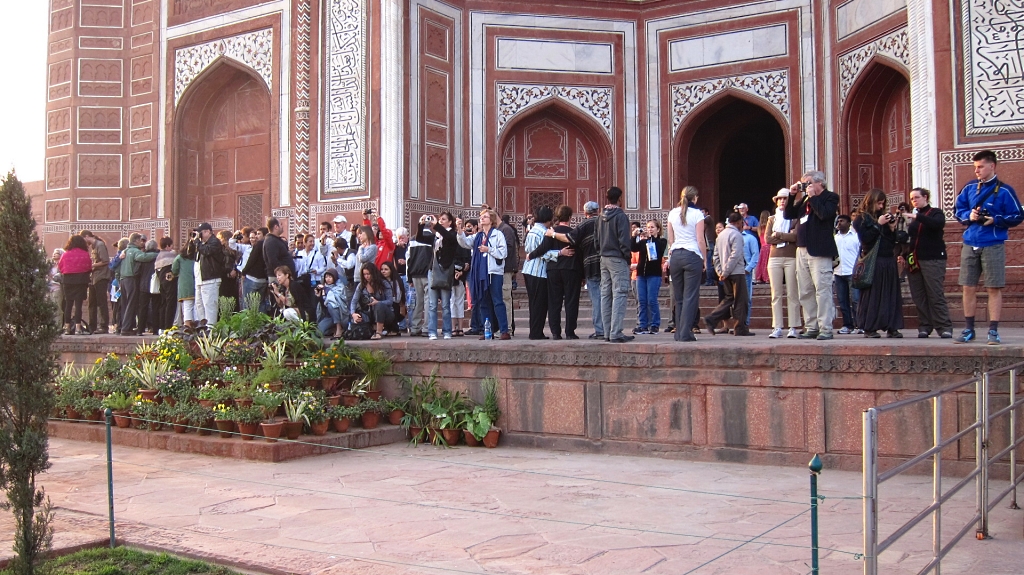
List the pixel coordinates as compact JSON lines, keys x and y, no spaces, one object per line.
{"x":776,"y":333}
{"x":845,"y":331}
{"x":431,"y":336}
{"x":446,"y":336}
{"x":858,"y":331}
{"x":792,"y":333}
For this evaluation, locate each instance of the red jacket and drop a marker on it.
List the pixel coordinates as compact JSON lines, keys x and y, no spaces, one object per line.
{"x":385,"y":243}
{"x":75,"y":261}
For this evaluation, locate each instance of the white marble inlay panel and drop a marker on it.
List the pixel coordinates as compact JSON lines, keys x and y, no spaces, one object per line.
{"x":549,"y":56}
{"x":772,"y":87}
{"x":738,"y":46}
{"x":893,"y":45}
{"x":595,"y":102}
{"x":345,"y":123}
{"x":856,"y":15}
{"x":254,"y":49}
{"x":994,"y":66}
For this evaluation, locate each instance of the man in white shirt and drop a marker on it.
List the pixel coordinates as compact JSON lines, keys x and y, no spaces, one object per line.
{"x":849,"y":249}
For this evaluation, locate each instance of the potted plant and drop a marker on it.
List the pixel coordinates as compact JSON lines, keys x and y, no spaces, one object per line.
{"x":270,"y":377}
{"x":248,"y":420}
{"x":239,"y":354}
{"x":300,"y":340}
{"x":333,"y":362}
{"x":274,"y":354}
{"x":177,"y":415}
{"x":295,"y":413}
{"x":240,"y":385}
{"x":420,"y":393}
{"x":374,"y":365}
{"x":317,"y":417}
{"x":119,"y":404}
{"x":146,"y":374}
{"x":145,"y":414}
{"x":71,"y":385}
{"x":224,"y":419}
{"x":89,"y":408}
{"x":371,"y":412}
{"x":476,"y":424}
{"x":490,"y":406}
{"x":342,"y":416}
{"x":210,"y":395}
{"x":201,"y":418}
{"x":395,"y":409}
{"x":446,"y":413}
{"x":175,"y":386}
{"x":211,"y":347}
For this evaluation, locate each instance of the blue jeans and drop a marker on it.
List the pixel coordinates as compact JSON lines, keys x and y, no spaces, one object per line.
{"x":254,"y":286}
{"x":329,"y":319}
{"x":647,"y":300}
{"x":594,"y":291}
{"x":710,"y":278}
{"x":849,"y":297}
{"x":445,"y":296}
{"x":614,"y":292}
{"x":750,"y":295}
{"x":491,"y":303}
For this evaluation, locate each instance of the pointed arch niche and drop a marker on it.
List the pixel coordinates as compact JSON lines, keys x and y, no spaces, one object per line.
{"x":225,"y":163}
{"x":876,"y":136}
{"x":735,"y":148}
{"x":551,"y":155}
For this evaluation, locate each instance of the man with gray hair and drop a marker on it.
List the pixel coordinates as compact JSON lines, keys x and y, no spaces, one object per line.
{"x":815,"y":209}
{"x":583,"y":238}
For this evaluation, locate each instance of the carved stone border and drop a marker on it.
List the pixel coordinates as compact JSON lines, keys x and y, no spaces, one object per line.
{"x":254,"y":49}
{"x":894,"y":45}
{"x":594,"y":101}
{"x":772,"y":87}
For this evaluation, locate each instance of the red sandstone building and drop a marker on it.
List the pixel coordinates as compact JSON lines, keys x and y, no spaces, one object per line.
{"x":165,"y":113}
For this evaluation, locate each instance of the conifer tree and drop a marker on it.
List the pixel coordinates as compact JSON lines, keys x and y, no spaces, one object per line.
{"x":27,"y":365}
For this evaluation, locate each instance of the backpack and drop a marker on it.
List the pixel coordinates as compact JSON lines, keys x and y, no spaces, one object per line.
{"x":115,"y":262}
{"x":359,"y":331}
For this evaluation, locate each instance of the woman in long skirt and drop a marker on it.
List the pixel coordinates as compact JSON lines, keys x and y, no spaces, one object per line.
{"x":881,"y":305}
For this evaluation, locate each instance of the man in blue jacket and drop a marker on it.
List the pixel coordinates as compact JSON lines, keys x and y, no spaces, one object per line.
{"x":988,"y":207}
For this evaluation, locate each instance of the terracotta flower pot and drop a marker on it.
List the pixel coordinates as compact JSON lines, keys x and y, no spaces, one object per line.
{"x":206,"y":428}
{"x":415,"y":432}
{"x":371,"y":419}
{"x":97,"y":416}
{"x":349,"y":399}
{"x":248,"y":430}
{"x":180,"y":426}
{"x":451,"y":436}
{"x":341,"y":425}
{"x":207,"y":403}
{"x":276,"y":387}
{"x":374,"y":395}
{"x":244,"y":402}
{"x":292,"y":429}
{"x":328,"y":381}
{"x":431,"y":432}
{"x":72,"y":414}
{"x":471,"y":439}
{"x":272,"y":430}
{"x":491,"y":439}
{"x":319,"y":428}
{"x":122,"y":420}
{"x":170,"y":401}
{"x":225,"y":427}
{"x":99,"y":394}
{"x":334,"y":400}
{"x":395,"y":417}
{"x":149,"y":394}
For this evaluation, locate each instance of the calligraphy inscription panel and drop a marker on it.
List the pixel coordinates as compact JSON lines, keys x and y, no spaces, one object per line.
{"x":994,"y":57}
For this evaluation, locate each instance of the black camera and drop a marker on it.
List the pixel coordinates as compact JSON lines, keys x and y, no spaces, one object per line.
{"x":367,"y":211}
{"x":984,"y":213}
{"x":803,"y":186}
{"x":238,"y":237}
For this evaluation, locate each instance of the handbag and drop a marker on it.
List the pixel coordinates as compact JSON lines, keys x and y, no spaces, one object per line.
{"x":864,"y":270}
{"x":441,"y":278}
{"x":154,"y":284}
{"x":358,"y":331}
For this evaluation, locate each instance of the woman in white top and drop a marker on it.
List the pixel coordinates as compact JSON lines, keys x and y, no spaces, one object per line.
{"x":686,"y":260}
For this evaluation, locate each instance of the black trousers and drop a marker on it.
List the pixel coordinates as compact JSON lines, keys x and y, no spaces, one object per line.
{"x":537,"y":293}
{"x":99,"y":310}
{"x":129,"y":304}
{"x":168,"y":305}
{"x":563,"y":288}
{"x":734,"y":305}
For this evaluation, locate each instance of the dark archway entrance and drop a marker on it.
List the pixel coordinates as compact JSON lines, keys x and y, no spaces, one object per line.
{"x":734,"y":152}
{"x":877,"y":137}
{"x":548,"y":158}
{"x":224,"y":164}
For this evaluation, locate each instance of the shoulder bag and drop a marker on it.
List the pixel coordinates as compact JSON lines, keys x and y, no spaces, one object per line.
{"x":864,"y":269}
{"x":441,"y":278}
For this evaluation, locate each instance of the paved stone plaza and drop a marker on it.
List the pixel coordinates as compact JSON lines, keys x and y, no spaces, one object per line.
{"x":399,"y":509}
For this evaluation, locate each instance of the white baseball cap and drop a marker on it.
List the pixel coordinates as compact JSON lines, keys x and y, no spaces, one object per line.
{"x":339,"y":218}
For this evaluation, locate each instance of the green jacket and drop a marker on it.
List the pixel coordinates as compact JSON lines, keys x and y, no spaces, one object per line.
{"x":132,"y":257}
{"x":184,"y":269}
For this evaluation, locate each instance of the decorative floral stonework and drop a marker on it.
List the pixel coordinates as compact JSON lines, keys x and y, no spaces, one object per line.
{"x":595,"y":102}
{"x":345,"y":130}
{"x":993,"y":66}
{"x":772,"y":87}
{"x":893,"y":45}
{"x":254,"y":49}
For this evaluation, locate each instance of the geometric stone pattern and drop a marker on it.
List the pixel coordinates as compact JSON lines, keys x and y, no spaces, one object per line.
{"x":993,"y":57}
{"x":595,"y":102}
{"x":302,"y":68}
{"x":772,"y":87}
{"x":345,"y":117}
{"x":893,"y":45}
{"x":254,"y":49}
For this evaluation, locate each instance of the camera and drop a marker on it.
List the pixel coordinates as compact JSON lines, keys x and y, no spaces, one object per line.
{"x":984,"y":213}
{"x":367,"y":211}
{"x":238,"y":237}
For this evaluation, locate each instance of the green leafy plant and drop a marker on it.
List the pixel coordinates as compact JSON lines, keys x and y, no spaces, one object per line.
{"x":196,"y":415}
{"x":72,"y":384}
{"x":446,"y":410}
{"x":176,"y":384}
{"x":274,"y":354}
{"x":401,"y":404}
{"x":118,"y":401}
{"x":250,"y":415}
{"x":267,"y":400}
{"x":211,"y":392}
{"x":374,"y":365}
{"x":345,"y":412}
{"x":269,"y":375}
{"x":373,"y":406}
{"x":478,"y":422}
{"x":489,"y":385}
{"x":221,"y":412}
{"x":301,"y":340}
{"x":211,"y":346}
{"x":334,"y":361}
{"x":295,"y":409}
{"x":147,"y":373}
{"x":226,"y":306}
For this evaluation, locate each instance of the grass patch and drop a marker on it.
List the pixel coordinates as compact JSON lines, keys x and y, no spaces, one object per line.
{"x":125,"y":561}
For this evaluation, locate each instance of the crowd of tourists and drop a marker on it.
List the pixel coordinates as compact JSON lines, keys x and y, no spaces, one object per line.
{"x":366,"y":281}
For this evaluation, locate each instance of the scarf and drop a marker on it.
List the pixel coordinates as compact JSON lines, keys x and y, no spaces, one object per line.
{"x":780,"y":224}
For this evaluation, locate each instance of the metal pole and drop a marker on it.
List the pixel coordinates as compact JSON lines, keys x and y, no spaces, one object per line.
{"x":870,"y":492}
{"x":110,"y":478}
{"x":1013,"y":439}
{"x":981,"y":454}
{"x":815,"y":467}
{"x":937,"y":483}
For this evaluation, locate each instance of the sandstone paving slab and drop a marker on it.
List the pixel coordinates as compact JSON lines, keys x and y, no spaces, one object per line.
{"x":553,"y":512}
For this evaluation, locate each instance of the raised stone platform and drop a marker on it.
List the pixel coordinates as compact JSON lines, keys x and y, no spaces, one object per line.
{"x":235,"y":447}
{"x":722,"y":398}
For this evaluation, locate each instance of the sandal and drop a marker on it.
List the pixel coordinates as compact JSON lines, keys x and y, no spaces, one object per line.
{"x":458,"y":333}
{"x":375,"y":336}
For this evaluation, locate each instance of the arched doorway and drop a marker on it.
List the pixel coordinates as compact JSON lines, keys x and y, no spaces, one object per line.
{"x":877,"y":136}
{"x":224,"y":164}
{"x":548,"y":158}
{"x":734,"y":151}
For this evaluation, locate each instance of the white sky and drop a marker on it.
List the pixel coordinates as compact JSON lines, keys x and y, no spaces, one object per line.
{"x":23,"y":87}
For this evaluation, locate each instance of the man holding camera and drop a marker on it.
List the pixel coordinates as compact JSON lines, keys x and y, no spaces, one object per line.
{"x":208,"y":253}
{"x":988,"y":208}
{"x":814,"y":207}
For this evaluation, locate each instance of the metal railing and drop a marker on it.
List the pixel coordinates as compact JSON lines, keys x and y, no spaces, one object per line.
{"x":981,"y":426}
